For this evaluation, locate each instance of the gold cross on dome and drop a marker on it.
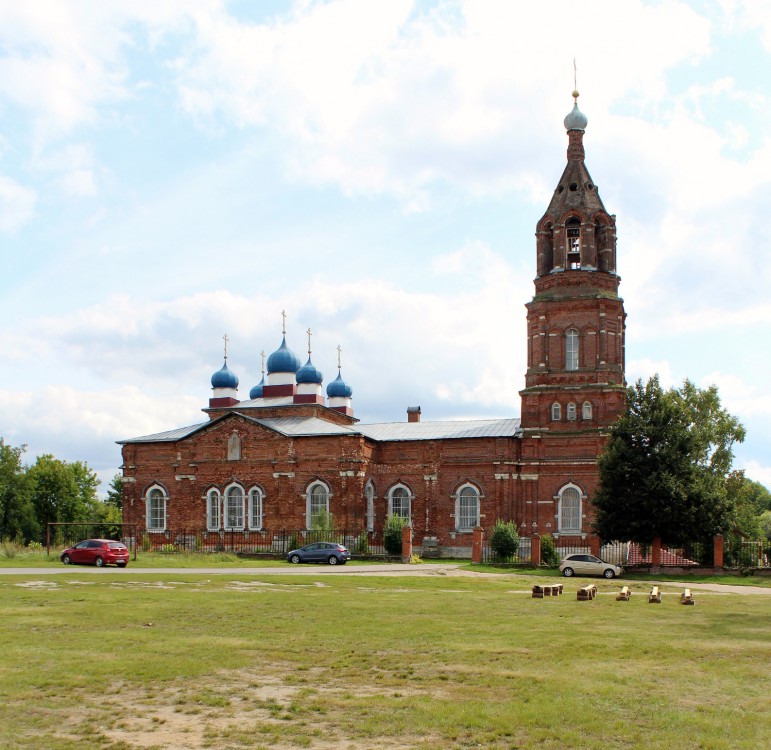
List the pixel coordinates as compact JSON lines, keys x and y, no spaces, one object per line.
{"x":283,"y":326}
{"x":226,"y":339}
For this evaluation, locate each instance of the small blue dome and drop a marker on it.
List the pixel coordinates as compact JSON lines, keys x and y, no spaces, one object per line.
{"x":339,"y":388}
{"x":576,"y":120}
{"x":309,"y":374}
{"x":224,"y":378}
{"x":256,"y":391}
{"x":283,"y":359}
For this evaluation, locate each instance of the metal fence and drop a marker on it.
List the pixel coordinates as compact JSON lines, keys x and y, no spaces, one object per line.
{"x":267,"y":543}
{"x":522,"y":556}
{"x":746,"y":553}
{"x":62,"y":535}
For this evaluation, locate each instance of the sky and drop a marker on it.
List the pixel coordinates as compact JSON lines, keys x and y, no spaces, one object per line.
{"x":172,"y":171}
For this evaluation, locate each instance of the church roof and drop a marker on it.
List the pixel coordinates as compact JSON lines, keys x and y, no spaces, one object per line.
{"x":385,"y":432}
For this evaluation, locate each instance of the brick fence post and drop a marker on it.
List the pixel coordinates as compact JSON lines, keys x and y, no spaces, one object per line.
{"x":717,"y":560}
{"x":477,"y":541}
{"x":594,"y":545}
{"x":656,"y":553}
{"x":535,"y":549}
{"x":406,"y":543}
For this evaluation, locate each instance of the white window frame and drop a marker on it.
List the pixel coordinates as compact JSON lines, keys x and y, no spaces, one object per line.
{"x":369,"y":497}
{"x":586,"y":410}
{"x":310,"y":501}
{"x":571,"y":349}
{"x":406,"y":496}
{"x":154,"y":493}
{"x":571,"y":412}
{"x":556,"y":412}
{"x":255,"y":509}
{"x":467,"y":490}
{"x":228,"y":522}
{"x":213,"y":510}
{"x":570,"y":493}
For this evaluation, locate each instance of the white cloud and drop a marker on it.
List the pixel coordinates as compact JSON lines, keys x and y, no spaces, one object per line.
{"x":17,"y":204}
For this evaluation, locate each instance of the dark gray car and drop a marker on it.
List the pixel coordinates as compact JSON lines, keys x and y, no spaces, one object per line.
{"x":328,"y":552}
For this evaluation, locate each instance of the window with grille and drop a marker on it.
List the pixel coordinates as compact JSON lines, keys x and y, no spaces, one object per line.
{"x":213,"y":511}
{"x":255,"y":508}
{"x":369,"y":494}
{"x":234,"y":508}
{"x":467,"y":509}
{"x":571,"y":349}
{"x":570,"y":510}
{"x":156,"y":510}
{"x":400,"y":502}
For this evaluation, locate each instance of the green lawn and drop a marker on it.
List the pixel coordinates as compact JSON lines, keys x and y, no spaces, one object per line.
{"x":125,"y":660}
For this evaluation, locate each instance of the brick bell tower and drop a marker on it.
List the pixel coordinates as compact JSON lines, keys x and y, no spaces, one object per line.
{"x":575,"y":322}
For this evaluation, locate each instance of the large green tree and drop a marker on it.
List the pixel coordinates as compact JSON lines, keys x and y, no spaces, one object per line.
{"x":17,"y":514}
{"x":664,"y":468}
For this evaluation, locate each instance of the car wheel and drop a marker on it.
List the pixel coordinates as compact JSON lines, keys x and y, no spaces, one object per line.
{"x":609,"y":573}
{"x":333,"y":560}
{"x":99,"y":562}
{"x":294,"y":559}
{"x":66,"y":559}
{"x":567,"y":572}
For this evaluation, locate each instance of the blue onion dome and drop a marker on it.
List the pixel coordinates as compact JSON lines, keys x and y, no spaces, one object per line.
{"x":283,"y":359}
{"x":224,"y":378}
{"x":309,"y":374}
{"x":256,"y":391}
{"x":339,"y":388}
{"x":576,"y":120}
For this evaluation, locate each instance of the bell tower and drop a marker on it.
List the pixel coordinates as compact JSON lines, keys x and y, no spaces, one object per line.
{"x":576,"y":320}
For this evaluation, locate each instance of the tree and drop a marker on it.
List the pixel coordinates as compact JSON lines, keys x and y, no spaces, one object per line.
{"x":17,"y":514}
{"x":115,"y":492}
{"x":749,"y":500}
{"x":55,"y":491}
{"x":664,"y":468}
{"x":392,"y":534}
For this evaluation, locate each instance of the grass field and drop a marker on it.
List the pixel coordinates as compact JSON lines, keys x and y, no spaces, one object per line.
{"x":125,"y":660}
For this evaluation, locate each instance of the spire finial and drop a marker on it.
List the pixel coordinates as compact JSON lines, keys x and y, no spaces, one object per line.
{"x":283,"y":325}
{"x":262,"y":354}
{"x":226,"y":339}
{"x":309,"y":342}
{"x":339,"y":357}
{"x":575,"y":81}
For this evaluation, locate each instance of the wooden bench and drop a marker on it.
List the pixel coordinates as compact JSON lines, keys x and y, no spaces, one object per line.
{"x":655,"y":596}
{"x":547,"y":589}
{"x":624,"y":594}
{"x":687,"y":598}
{"x":586,"y":593}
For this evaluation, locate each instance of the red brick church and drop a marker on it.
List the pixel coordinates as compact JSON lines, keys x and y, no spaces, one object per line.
{"x":273,"y":461}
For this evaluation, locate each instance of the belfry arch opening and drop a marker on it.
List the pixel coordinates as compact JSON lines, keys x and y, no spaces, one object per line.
{"x":573,"y":234}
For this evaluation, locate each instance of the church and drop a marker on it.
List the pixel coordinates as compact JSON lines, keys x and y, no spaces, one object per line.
{"x":294,"y":449}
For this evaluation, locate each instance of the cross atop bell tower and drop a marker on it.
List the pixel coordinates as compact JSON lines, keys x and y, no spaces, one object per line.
{"x":576,"y":320}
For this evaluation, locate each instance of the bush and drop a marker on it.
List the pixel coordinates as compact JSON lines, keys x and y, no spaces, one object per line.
{"x":504,"y":539}
{"x":361,"y":545}
{"x":392,"y":534}
{"x":549,"y":555}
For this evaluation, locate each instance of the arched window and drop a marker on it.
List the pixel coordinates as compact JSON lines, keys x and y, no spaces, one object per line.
{"x":467,"y":508}
{"x":573,"y":227}
{"x":234,"y":507}
{"x":234,"y":447}
{"x":316,"y":502}
{"x":587,"y":410}
{"x":156,"y":508}
{"x":399,"y":498}
{"x":571,"y":349}
{"x":369,"y":496}
{"x":570,"y":509}
{"x":213,"y":510}
{"x":571,"y":412}
{"x":255,"y":508}
{"x":556,"y":412}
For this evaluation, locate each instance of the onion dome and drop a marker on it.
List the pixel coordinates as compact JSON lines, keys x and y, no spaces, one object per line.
{"x":256,"y":391}
{"x":283,"y":359}
{"x":576,"y":120}
{"x":309,"y":374}
{"x":338,"y":388}
{"x":224,"y":378}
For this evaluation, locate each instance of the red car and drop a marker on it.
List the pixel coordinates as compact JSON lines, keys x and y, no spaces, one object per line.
{"x":97,"y":552}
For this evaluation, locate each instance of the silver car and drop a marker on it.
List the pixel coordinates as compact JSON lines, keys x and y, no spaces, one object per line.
{"x":588,"y":565}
